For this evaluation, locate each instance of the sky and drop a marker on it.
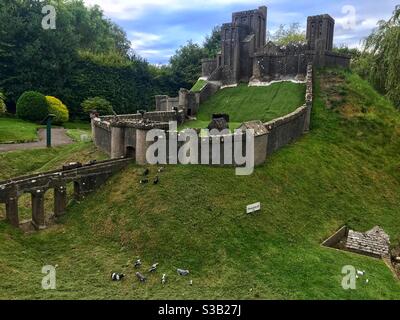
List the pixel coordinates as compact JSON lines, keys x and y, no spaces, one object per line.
{"x":157,"y":28}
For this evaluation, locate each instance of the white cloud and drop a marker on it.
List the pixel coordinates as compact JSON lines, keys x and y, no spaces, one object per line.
{"x":142,"y":40}
{"x":134,"y":9}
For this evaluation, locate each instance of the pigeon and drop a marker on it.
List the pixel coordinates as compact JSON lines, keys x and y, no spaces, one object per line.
{"x":191,"y":282}
{"x":146,"y":172}
{"x":137,"y":263}
{"x":160,"y":169}
{"x":153,"y":267}
{"x":360,"y":273}
{"x":144,"y":181}
{"x":164,"y":278}
{"x":141,"y":277}
{"x":182,"y":272}
{"x":117,"y":276}
{"x":156,"y":180}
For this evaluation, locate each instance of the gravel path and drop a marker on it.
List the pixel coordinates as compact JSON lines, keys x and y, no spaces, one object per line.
{"x":58,"y":135}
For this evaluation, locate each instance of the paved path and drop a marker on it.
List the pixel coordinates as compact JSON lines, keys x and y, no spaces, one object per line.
{"x":59,"y":137}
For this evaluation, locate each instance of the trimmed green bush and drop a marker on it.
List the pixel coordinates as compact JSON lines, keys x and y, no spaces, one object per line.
{"x":3,"y":108}
{"x":32,"y":106}
{"x":57,"y":108}
{"x":101,"y":105}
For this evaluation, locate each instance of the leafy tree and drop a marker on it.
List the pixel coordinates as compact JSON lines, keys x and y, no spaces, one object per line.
{"x":212,"y":44}
{"x":32,"y":106}
{"x":292,"y":34}
{"x":382,"y":48}
{"x":3,"y":108}
{"x":186,"y":64}
{"x":101,"y":105}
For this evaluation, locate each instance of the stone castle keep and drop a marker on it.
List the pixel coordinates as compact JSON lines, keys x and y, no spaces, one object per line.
{"x":245,"y":56}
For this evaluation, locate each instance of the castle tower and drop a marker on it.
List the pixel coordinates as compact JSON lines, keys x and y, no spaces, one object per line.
{"x":241,"y":38}
{"x":320,"y":30}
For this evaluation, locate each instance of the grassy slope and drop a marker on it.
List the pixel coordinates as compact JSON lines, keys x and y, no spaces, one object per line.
{"x":16,"y":130}
{"x":13,"y":130}
{"x":245,"y":103}
{"x":198,"y":85}
{"x":346,"y":170}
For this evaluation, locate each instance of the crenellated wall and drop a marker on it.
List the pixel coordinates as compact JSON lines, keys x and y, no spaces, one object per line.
{"x":126,"y":135}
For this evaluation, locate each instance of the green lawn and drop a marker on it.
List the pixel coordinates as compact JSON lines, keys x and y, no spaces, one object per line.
{"x":15,"y":130}
{"x":198,"y":85}
{"x":245,"y":103}
{"x":345,"y":171}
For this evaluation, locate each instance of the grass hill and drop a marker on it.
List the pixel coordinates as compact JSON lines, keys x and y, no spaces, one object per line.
{"x":245,"y":103}
{"x":345,"y":171}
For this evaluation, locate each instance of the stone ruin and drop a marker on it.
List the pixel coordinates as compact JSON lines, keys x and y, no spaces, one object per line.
{"x":245,"y":56}
{"x":374,"y":243}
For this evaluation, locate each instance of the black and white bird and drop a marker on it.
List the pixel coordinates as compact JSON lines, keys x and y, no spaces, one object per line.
{"x":146,"y":172}
{"x":144,"y":181}
{"x":164,"y":278}
{"x":182,"y":272}
{"x":160,"y":169}
{"x":141,"y":277}
{"x":137,"y":263}
{"x":153,"y":268}
{"x":156,"y":180}
{"x":117,"y":276}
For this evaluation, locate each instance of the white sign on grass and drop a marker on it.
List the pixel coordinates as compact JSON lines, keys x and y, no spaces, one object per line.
{"x":253,"y":207}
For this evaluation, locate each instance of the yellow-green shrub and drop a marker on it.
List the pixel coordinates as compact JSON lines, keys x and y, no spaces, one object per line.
{"x":59,"y":109}
{"x":3,"y":108}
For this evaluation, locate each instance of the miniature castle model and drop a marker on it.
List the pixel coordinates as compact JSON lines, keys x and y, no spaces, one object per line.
{"x":245,"y":56}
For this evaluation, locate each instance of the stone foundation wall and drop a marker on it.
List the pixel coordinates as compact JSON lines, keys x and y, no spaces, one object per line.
{"x":128,"y":134}
{"x":102,"y":137}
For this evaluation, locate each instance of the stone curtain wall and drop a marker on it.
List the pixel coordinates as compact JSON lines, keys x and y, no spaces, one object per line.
{"x":102,"y":136}
{"x":286,"y":129}
{"x":129,"y":131}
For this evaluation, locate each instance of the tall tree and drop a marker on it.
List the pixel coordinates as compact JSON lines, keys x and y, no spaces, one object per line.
{"x":383,"y":47}
{"x":292,"y":34}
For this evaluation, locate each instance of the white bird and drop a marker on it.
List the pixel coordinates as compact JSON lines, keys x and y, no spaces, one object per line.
{"x":153,"y":267}
{"x":164,"y":278}
{"x":117,"y":276}
{"x":138,"y":263}
{"x":182,"y":272}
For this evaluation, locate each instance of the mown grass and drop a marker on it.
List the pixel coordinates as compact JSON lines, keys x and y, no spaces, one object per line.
{"x":17,"y":131}
{"x":345,"y":171}
{"x":13,"y":130}
{"x":245,"y":103}
{"x":198,"y":85}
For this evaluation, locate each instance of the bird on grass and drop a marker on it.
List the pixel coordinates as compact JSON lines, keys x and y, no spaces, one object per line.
{"x":153,"y":268}
{"x":164,"y":278}
{"x":156,"y":180}
{"x":141,"y":277}
{"x":137,"y":263}
{"x":146,"y":172}
{"x":117,"y":276}
{"x":144,"y":181}
{"x":182,"y":272}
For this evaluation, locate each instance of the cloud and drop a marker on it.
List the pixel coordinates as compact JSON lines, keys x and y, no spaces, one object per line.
{"x":134,"y":9}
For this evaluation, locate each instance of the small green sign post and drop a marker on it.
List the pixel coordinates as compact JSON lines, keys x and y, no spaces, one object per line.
{"x":48,"y":121}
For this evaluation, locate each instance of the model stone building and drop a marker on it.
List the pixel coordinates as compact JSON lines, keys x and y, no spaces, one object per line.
{"x":245,"y":56}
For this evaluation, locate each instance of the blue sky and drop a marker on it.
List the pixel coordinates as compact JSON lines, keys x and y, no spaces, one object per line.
{"x":157,"y":28}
